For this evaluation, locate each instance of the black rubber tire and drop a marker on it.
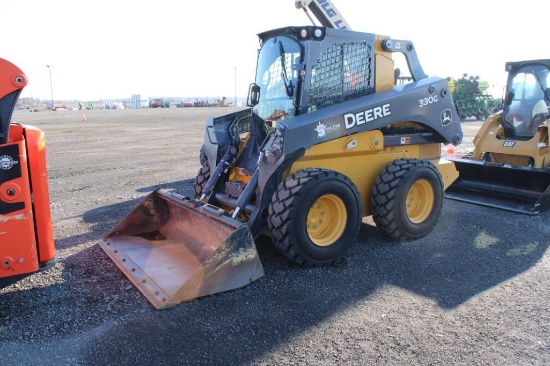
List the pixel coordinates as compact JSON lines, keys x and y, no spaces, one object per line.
{"x":292,"y":208}
{"x":202,"y":156}
{"x":390,"y":196}
{"x":200,"y":180}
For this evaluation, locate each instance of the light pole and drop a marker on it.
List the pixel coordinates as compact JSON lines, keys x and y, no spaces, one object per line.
{"x":51,"y":84}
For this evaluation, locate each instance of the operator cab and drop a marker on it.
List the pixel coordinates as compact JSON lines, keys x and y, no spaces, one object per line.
{"x":277,"y":78}
{"x":295,"y":75}
{"x":527,"y":100}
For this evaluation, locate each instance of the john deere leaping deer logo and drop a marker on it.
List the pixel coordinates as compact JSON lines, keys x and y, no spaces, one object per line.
{"x":7,"y":162}
{"x":446,"y":117}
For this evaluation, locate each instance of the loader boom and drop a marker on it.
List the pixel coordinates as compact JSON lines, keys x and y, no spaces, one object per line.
{"x":10,"y":87}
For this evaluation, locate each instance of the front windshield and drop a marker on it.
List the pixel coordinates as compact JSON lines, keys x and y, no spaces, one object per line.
{"x":276,"y":76}
{"x":529,"y":105}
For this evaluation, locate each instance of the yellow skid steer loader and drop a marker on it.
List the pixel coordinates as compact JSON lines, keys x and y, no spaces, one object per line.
{"x":510,"y":168}
{"x":328,"y":138}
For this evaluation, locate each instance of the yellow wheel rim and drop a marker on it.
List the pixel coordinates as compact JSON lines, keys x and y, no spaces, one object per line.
{"x":420,"y":201}
{"x":326,"y":220}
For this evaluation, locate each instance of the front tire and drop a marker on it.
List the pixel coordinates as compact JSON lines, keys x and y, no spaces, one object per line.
{"x":407,"y":198}
{"x":314,"y":217}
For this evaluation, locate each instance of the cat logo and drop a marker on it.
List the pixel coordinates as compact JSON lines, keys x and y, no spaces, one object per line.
{"x":509,"y":144}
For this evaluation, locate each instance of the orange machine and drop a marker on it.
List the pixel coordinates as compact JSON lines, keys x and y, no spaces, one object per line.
{"x":26,"y":234}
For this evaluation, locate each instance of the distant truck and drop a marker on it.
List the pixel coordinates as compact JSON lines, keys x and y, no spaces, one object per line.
{"x":159,"y":103}
{"x":186,"y":104}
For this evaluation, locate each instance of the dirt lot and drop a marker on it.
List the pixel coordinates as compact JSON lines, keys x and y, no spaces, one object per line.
{"x":474,"y":292}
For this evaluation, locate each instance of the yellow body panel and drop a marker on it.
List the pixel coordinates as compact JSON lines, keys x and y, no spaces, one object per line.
{"x":384,"y":74}
{"x":361,"y":156}
{"x":490,"y":138}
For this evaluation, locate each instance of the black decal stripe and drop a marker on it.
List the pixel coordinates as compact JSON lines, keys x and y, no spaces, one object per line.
{"x":6,"y":208}
{"x":15,"y":171}
{"x":10,"y":174}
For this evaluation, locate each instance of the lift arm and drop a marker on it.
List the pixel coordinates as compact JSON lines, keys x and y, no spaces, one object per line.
{"x":12,"y":81}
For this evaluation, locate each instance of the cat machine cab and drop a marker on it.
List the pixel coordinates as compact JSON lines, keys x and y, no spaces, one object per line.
{"x":510,"y":166}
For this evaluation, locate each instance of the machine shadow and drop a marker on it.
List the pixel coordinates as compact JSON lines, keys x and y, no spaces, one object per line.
{"x":104,"y":218}
{"x":446,"y":267}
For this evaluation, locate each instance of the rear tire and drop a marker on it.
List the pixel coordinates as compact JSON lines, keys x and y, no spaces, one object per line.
{"x":314,"y":217}
{"x":407,"y":198}
{"x":201,"y":179}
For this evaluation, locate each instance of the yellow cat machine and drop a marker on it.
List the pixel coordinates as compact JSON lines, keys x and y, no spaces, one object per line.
{"x":329,"y":138}
{"x":510,"y":167}
{"x":26,"y":234}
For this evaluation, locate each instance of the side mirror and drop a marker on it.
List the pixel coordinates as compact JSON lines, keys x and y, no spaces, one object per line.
{"x":508,"y":98}
{"x":253,"y":95}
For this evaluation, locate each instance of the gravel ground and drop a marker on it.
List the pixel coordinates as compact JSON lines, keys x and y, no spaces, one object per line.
{"x":473,"y":292}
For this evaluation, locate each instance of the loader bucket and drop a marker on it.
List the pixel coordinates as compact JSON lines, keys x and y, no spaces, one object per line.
{"x":174,"y":249}
{"x":519,"y":189}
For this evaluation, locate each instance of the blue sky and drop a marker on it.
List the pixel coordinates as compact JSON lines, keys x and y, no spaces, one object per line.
{"x":112,"y":49}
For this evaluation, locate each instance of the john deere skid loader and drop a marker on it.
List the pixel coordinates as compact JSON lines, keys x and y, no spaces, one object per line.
{"x":328,"y":139}
{"x":510,"y":168}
